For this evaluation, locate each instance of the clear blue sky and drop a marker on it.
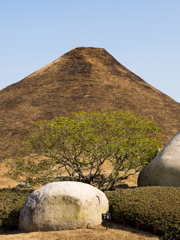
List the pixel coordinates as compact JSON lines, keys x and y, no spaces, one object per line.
{"x":143,"y":35}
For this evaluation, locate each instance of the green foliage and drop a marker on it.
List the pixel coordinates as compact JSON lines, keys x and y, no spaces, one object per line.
{"x":82,"y":143}
{"x":153,"y":209}
{"x":11,"y":203}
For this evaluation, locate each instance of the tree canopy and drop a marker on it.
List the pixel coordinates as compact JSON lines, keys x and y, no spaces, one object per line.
{"x":77,"y":147}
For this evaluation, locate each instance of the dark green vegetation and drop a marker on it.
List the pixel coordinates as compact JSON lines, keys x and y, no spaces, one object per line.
{"x":11,"y":202}
{"x":80,"y":144}
{"x":152,"y":209}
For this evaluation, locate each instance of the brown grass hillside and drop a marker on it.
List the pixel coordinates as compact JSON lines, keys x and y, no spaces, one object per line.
{"x":82,"y":79}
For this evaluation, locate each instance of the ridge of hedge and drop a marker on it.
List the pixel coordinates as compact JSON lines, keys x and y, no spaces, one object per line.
{"x":152,"y":209}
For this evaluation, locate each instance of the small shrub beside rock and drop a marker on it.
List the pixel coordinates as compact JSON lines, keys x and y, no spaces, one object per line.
{"x":153,"y":209}
{"x":11,"y":203}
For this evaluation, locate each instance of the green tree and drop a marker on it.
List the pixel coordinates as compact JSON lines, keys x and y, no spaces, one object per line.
{"x":80,"y":144}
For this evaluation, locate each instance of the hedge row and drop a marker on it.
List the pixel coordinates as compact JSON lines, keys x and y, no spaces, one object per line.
{"x":152,"y":209}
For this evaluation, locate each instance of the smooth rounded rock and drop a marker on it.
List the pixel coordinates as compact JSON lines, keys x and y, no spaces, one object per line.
{"x":63,"y":205}
{"x":164,"y":169}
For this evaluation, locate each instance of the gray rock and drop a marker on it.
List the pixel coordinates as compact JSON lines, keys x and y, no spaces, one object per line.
{"x":63,"y":205}
{"x":164,"y":169}
{"x":23,"y":185}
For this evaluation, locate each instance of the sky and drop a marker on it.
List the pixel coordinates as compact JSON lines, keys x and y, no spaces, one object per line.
{"x":143,"y":35}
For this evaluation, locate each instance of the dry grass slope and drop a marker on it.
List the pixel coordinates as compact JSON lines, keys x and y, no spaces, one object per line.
{"x":115,"y":232}
{"x":82,"y":79}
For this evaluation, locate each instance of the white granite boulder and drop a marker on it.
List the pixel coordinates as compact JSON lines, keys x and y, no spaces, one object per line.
{"x":164,"y":169}
{"x":63,"y":205}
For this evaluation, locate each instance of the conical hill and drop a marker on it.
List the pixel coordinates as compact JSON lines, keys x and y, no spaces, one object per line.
{"x":83,"y":79}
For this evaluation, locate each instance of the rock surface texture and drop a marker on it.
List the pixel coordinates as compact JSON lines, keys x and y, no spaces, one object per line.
{"x":164,"y":169}
{"x":63,"y":205}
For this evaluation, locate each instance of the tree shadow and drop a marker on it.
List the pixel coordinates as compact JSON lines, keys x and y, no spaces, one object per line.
{"x":121,"y":226}
{"x":124,"y":186}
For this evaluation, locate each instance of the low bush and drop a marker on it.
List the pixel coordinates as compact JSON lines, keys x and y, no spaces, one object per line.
{"x":153,"y":209}
{"x":11,"y":203}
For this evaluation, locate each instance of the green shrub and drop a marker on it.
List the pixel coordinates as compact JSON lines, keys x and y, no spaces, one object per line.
{"x":11,"y":203}
{"x":153,"y":209}
{"x":83,"y":142}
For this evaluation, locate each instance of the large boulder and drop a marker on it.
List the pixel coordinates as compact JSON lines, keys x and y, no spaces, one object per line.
{"x":63,"y":205}
{"x":164,"y":169}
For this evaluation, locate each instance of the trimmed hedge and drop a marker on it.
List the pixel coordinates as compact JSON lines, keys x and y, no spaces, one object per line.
{"x":153,"y":209}
{"x":11,"y":203}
